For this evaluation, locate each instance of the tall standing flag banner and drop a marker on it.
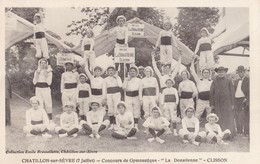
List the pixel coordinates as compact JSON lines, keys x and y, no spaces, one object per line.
{"x":135,"y":30}
{"x":62,"y":58}
{"x":124,"y":55}
{"x":10,"y":23}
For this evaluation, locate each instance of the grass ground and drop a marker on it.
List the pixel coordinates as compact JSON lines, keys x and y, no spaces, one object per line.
{"x":17,"y":140}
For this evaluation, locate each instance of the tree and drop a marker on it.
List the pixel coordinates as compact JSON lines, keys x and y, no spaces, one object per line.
{"x":94,"y":16}
{"x":103,"y":17}
{"x":191,"y":20}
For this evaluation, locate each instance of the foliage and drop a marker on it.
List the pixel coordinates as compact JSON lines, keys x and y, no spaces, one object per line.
{"x":103,"y":17}
{"x":191,"y":20}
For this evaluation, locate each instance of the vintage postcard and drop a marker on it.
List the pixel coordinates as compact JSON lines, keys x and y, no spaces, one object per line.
{"x":130,"y":82}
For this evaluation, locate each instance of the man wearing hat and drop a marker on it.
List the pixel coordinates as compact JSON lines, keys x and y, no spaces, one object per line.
{"x":140,"y":72}
{"x":222,"y":100}
{"x":98,"y":85}
{"x":214,"y":131}
{"x":203,"y":86}
{"x":132,"y":86}
{"x":113,"y":90}
{"x":69,"y":81}
{"x":167,"y":72}
{"x":242,"y":96}
{"x":39,"y":37}
{"x":95,"y":120}
{"x":42,"y":80}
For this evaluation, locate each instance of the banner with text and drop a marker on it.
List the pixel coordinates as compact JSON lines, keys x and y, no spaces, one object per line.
{"x":62,"y":58}
{"x":124,"y":55}
{"x":135,"y":30}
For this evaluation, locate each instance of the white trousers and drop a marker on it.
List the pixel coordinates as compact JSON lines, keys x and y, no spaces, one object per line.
{"x":112,"y":101}
{"x":148,"y":103}
{"x":133,"y":105}
{"x":45,"y":98}
{"x":166,"y":54}
{"x":206,"y":60}
{"x":169,"y":111}
{"x":184,"y":103}
{"x":201,"y":106}
{"x":83,"y":106}
{"x":42,"y":48}
{"x":69,"y":95}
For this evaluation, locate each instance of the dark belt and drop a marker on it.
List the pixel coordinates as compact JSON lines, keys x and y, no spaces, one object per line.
{"x":39,"y":35}
{"x":94,"y":123}
{"x":96,"y":92}
{"x":83,"y":94}
{"x":87,"y":47}
{"x":120,"y":41}
{"x":149,"y":91}
{"x":70,"y":85}
{"x":111,"y":90}
{"x":205,"y":47}
{"x":204,"y":95}
{"x":191,"y":129}
{"x":36,"y":122}
{"x":213,"y":131}
{"x":166,"y":40}
{"x":186,"y":95}
{"x":132,"y":93}
{"x":42,"y":85}
{"x":161,"y":90}
{"x":169,"y":98}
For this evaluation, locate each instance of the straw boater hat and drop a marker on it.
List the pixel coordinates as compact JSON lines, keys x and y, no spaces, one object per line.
{"x":189,"y":107}
{"x":42,"y":59}
{"x":34,"y":98}
{"x":167,"y":22}
{"x":140,"y":67}
{"x":212,"y":115}
{"x":173,"y":82}
{"x":98,"y":67}
{"x":205,"y":29}
{"x":221,"y":68}
{"x":92,"y":102}
{"x":120,"y":17}
{"x":157,"y":108}
{"x":68,"y":103}
{"x":121,"y":103}
{"x":188,"y":74}
{"x":135,"y":68}
{"x":83,"y":74}
{"x":37,"y":15}
{"x":150,"y":69}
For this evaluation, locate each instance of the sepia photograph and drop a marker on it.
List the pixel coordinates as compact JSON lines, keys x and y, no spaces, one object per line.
{"x":126,"y":79}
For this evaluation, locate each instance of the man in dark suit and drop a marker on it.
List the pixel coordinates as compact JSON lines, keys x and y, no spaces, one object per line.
{"x":242,"y":102}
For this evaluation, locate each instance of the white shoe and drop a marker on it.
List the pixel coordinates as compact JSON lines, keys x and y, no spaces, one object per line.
{"x":175,"y":133}
{"x":151,"y":139}
{"x":98,"y":136}
{"x":131,"y":138}
{"x":46,"y":135}
{"x":136,"y":127}
{"x":30,"y":135}
{"x":161,"y":141}
{"x":223,"y":143}
{"x":185,"y":141}
{"x":63,"y":135}
{"x":111,"y":127}
{"x":168,"y":131}
{"x":74,"y":135}
{"x":91,"y":136}
{"x":195,"y":143}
